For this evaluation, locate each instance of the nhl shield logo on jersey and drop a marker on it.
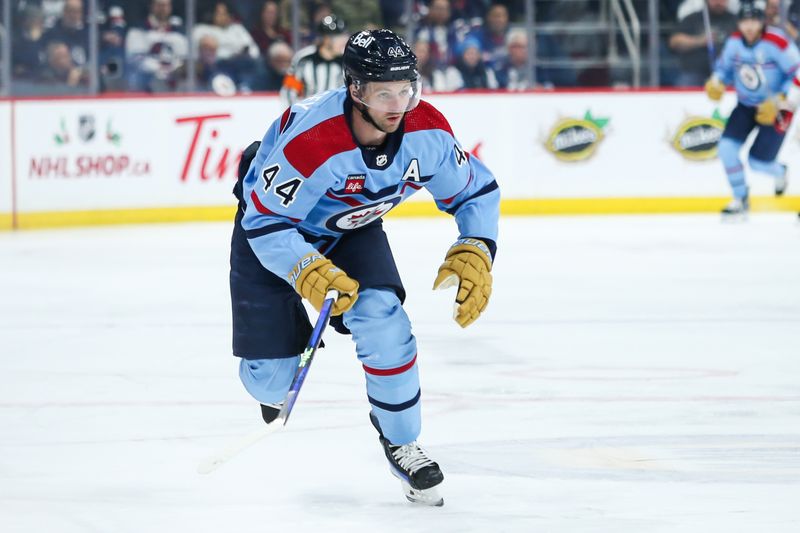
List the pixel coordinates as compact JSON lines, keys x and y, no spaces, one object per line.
{"x":381,"y":160}
{"x":354,"y":183}
{"x":573,"y":140}
{"x":697,"y":137}
{"x":360,"y":216}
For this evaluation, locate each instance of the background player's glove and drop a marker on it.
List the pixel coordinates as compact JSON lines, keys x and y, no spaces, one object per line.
{"x":467,"y":264}
{"x":314,"y":275}
{"x":767,"y":112}
{"x":715,"y":89}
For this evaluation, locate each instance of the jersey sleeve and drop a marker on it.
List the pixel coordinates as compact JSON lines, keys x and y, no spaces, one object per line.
{"x":788,"y":62}
{"x":465,"y":188}
{"x":724,"y":66}
{"x":278,"y":197}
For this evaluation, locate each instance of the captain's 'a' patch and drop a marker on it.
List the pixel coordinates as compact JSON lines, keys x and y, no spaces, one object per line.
{"x":412,"y":172}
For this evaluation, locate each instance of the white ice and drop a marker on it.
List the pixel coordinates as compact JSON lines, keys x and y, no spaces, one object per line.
{"x":632,"y":374}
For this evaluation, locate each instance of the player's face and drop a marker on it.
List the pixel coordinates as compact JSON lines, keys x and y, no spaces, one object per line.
{"x":388,"y":101}
{"x":751,"y":29}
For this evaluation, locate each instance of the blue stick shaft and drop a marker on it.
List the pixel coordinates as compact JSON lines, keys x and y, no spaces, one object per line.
{"x":305,"y":359}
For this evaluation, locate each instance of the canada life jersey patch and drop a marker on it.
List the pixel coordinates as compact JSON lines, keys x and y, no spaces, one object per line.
{"x":354,"y":183}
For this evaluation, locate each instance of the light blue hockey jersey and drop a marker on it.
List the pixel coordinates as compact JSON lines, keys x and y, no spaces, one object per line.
{"x":760,"y":71}
{"x":310,"y":182}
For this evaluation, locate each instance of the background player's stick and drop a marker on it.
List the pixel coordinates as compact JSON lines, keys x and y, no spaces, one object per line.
{"x":712,"y":56}
{"x":235,"y":448}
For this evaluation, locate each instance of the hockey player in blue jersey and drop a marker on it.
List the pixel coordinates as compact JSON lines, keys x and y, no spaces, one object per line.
{"x":311,"y":199}
{"x":760,"y":62}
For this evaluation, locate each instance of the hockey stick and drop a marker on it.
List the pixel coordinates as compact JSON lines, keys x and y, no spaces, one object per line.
{"x":712,"y":55}
{"x":235,"y":448}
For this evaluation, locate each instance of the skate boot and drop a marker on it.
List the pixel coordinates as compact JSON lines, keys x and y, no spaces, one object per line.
{"x":737,"y":209}
{"x":782,"y":182}
{"x":418,"y":474}
{"x":270,"y":411}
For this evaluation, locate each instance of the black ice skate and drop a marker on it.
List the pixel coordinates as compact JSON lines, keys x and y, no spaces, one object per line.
{"x":737,"y":209}
{"x":417,"y":473}
{"x":782,"y":182}
{"x":270,"y":411}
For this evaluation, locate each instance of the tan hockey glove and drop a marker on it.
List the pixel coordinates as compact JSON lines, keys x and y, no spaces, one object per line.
{"x":468,"y":265}
{"x":314,"y":275}
{"x":715,"y":89}
{"x":767,"y":111}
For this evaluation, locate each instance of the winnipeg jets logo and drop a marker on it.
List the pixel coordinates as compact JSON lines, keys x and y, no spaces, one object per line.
{"x":360,"y":216}
{"x":751,"y":76}
{"x":381,"y":160}
{"x":396,"y":51}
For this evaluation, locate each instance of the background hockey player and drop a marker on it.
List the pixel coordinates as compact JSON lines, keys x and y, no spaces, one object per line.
{"x":317,"y":68}
{"x":311,"y":203}
{"x":760,"y":62}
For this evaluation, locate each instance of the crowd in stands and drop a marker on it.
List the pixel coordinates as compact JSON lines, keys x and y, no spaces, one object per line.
{"x":461,"y":44}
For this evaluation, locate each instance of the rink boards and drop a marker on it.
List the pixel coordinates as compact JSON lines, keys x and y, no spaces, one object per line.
{"x":152,"y":159}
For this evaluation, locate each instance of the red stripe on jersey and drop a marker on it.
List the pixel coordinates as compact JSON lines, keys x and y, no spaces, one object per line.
{"x":776,"y":39}
{"x":736,"y":35}
{"x":264,"y":211}
{"x":390,"y":371}
{"x":426,"y":117}
{"x":448,"y":201}
{"x":309,"y":150}
{"x":349,"y":201}
{"x":285,"y":117}
{"x":412,"y":185}
{"x":797,"y":82}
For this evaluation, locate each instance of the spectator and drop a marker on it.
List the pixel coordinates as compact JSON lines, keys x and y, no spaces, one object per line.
{"x":514,"y":74}
{"x":689,"y":7}
{"x":71,"y":30}
{"x":112,"y":49}
{"x":491,"y":36}
{"x":437,"y":31}
{"x":233,"y":40}
{"x":61,"y":72}
{"x":689,"y":42}
{"x":210,"y":77}
{"x":28,"y":44}
{"x":268,"y":30}
{"x":773,"y":18}
{"x":157,"y":51}
{"x":278,"y":60}
{"x":317,"y":68}
{"x":433,"y":78}
{"x":472,"y":72}
{"x":472,"y":12}
{"x":359,"y":14}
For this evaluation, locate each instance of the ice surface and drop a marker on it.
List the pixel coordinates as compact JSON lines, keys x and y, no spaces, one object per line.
{"x":632,"y":374}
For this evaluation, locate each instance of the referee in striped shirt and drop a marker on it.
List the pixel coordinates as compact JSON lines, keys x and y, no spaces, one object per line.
{"x":317,"y":68}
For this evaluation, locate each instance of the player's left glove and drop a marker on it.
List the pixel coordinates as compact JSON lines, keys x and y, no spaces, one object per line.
{"x":767,"y":112}
{"x":468,"y":265}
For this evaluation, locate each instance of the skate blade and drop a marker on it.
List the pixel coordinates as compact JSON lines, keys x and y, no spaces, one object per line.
{"x":734,"y":218}
{"x":428,"y":497}
{"x":423,"y":497}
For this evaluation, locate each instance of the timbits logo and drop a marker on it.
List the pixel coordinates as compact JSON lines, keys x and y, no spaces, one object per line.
{"x":697,"y":137}
{"x":571,"y":139}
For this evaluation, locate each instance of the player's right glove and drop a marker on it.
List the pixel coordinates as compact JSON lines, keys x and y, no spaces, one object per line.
{"x":314,"y":275}
{"x":715,"y":89}
{"x":468,"y":265}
